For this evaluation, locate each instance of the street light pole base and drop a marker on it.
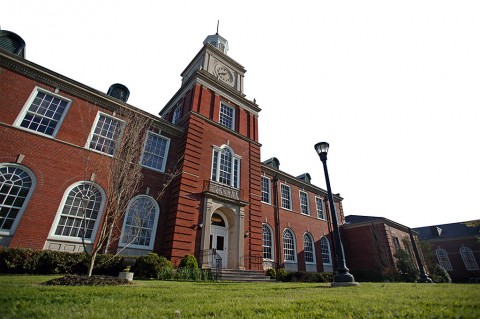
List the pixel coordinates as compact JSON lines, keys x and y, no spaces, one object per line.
{"x":344,"y":284}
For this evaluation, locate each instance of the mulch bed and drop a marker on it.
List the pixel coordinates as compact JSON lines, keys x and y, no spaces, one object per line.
{"x":73,"y":280}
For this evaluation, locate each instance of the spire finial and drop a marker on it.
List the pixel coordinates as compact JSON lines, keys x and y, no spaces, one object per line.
{"x":218,"y":22}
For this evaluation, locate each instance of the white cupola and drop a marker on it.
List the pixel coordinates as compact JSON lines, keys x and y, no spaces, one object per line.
{"x":218,"y":42}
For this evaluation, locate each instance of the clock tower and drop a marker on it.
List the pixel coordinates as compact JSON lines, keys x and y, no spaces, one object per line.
{"x":215,"y":212}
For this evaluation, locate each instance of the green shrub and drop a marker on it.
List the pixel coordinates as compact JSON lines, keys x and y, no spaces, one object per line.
{"x":18,"y":260}
{"x":303,"y":276}
{"x":194,"y":274}
{"x":272,"y":273}
{"x":281,"y":274}
{"x":440,"y":275}
{"x":150,"y":266}
{"x":188,"y":261}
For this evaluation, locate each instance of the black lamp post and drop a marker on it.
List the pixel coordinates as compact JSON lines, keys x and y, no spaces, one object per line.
{"x":342,"y":277}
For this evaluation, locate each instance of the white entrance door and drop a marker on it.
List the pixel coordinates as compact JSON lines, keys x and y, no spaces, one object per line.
{"x":219,"y":242}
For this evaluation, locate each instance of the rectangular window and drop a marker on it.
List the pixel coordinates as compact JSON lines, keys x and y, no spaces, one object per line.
{"x":155,"y":151}
{"x":320,"y":208}
{"x":227,"y":116}
{"x":177,"y":114}
{"x":43,"y":112}
{"x":286,"y":196}
{"x":106,"y":135}
{"x":266,"y":190}
{"x":396,"y":242}
{"x":304,"y":206}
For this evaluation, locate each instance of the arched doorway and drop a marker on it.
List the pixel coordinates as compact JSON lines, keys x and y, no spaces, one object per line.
{"x":219,"y":237}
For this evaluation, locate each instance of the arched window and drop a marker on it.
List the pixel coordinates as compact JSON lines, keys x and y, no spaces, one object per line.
{"x":468,"y":258}
{"x":308,"y":248}
{"x":79,"y":213}
{"x":226,"y":166}
{"x":140,"y":223}
{"x":16,"y":186}
{"x":443,"y":259}
{"x":267,"y":242}
{"x":289,"y":251}
{"x":326,"y":255}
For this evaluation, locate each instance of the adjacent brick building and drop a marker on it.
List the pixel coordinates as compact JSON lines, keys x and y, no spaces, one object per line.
{"x":59,"y":136}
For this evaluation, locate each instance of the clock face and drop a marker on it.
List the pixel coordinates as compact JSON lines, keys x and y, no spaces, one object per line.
{"x":224,"y":74}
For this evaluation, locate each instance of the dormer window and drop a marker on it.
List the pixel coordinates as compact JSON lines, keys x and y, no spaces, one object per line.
{"x":177,"y":114}
{"x":227,"y":116}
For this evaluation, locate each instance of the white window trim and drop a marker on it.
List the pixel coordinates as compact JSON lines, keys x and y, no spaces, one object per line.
{"x":474,"y":265}
{"x":233,"y":115}
{"x":308,"y":204}
{"x":167,"y":147}
{"x":177,"y":114}
{"x":90,"y":136}
{"x":154,"y":230}
{"x":269,"y":190}
{"x":323,"y":207}
{"x":294,"y":261}
{"x":329,"y":251}
{"x":234,"y":157}
{"x":59,"y":213}
{"x":26,"y":106}
{"x":290,"y":195}
{"x":272,"y":241}
{"x":27,"y":198}
{"x":314,"y":262}
{"x":448,"y":265}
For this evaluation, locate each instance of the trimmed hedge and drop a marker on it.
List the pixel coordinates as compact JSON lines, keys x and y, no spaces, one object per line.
{"x":47,"y":262}
{"x":303,"y":276}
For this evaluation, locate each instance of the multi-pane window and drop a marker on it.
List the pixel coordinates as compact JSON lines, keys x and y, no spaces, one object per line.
{"x":177,"y":114}
{"x":106,"y":134}
{"x":308,"y":248}
{"x":396,"y":242}
{"x":16,"y":185}
{"x":443,"y":259}
{"x":289,"y":253}
{"x":326,"y":256}
{"x":155,"y":151}
{"x":227,"y":116}
{"x":267,"y":242}
{"x":266,"y":190}
{"x":286,"y":196}
{"x":140,"y":223}
{"x":80,"y":212}
{"x":320,"y":208}
{"x":304,"y":206}
{"x":44,"y":112}
{"x":226,"y":166}
{"x":468,"y":258}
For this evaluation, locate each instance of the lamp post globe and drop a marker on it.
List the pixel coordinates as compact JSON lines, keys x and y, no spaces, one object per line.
{"x":342,"y":276}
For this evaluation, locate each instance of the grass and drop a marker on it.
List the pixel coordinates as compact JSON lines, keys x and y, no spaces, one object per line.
{"x":23,"y":297}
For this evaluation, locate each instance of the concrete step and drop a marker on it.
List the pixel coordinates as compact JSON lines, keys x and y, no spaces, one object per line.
{"x":244,"y":276}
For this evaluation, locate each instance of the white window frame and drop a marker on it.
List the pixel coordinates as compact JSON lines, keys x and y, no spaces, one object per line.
{"x":165,"y":156}
{"x":306,"y":205}
{"x":282,"y":198}
{"x":289,"y":230}
{"x":22,"y":209}
{"x":322,"y":208}
{"x":468,"y":258}
{"x":153,"y":229}
{"x":236,"y":161}
{"x":177,"y":114}
{"x":312,"y":241}
{"x":118,"y":138}
{"x":269,"y":188}
{"x":25,"y":109}
{"x":267,"y":226}
{"x":443,"y":259}
{"x":60,"y":210}
{"x":232,"y":127}
{"x":325,"y":239}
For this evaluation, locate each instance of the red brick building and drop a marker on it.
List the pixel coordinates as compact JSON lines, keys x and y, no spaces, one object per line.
{"x":456,"y":248}
{"x":58,"y":137}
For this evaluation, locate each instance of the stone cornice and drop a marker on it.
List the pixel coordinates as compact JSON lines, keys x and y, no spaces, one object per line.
{"x":74,"y":88}
{"x":380,"y":220}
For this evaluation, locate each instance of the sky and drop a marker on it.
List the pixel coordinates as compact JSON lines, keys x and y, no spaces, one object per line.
{"x":392,"y":86}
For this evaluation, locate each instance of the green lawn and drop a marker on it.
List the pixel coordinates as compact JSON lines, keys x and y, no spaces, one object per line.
{"x":23,"y":297}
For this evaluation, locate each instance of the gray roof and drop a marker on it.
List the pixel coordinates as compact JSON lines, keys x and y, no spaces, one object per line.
{"x":453,"y":230}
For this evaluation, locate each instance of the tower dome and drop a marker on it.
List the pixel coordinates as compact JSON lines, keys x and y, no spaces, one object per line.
{"x":218,"y":42}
